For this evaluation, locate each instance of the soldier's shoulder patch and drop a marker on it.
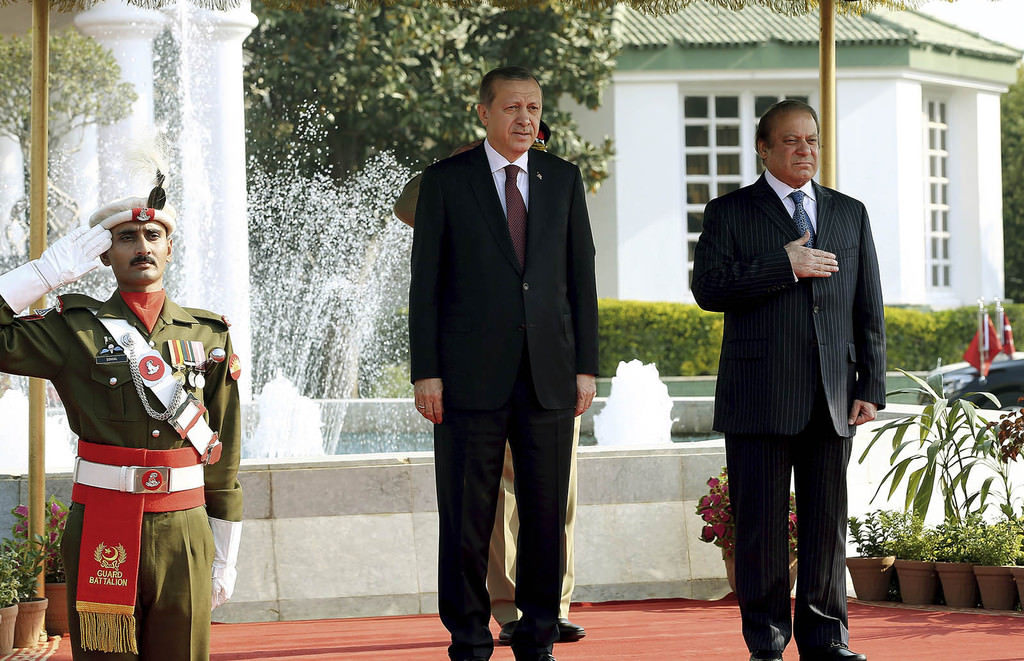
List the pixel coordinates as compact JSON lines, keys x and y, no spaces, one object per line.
{"x":235,"y":367}
{"x":37,"y":314}
{"x":206,"y":315}
{"x":76,"y":301}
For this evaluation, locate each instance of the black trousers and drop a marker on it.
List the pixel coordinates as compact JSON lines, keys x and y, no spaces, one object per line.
{"x":469,"y":450}
{"x":759,"y":484}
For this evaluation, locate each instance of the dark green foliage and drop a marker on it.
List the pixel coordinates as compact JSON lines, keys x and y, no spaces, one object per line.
{"x":1012,"y":126}
{"x":403,"y":76}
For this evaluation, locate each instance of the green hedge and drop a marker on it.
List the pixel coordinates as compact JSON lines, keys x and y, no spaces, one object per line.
{"x":683,"y":340}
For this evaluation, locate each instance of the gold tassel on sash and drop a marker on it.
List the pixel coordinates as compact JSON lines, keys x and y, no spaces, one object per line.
{"x":107,"y":627}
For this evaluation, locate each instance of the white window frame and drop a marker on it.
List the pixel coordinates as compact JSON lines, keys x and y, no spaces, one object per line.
{"x":939,"y":273}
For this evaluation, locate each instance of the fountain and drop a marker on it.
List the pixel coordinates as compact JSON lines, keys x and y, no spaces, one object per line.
{"x":638,"y":411}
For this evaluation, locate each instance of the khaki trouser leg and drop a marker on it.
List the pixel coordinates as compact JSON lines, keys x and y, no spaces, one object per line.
{"x":172,"y":608}
{"x":501,"y":566}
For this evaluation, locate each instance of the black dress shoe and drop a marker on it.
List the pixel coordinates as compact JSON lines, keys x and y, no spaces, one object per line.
{"x":837,"y":652}
{"x":766,"y":655}
{"x":569,"y":632}
{"x":505,"y":635}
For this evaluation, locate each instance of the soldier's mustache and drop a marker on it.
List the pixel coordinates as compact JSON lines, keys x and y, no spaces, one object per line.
{"x":142,"y":259}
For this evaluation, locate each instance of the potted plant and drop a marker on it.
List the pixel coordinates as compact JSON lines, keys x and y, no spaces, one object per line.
{"x":872,"y":571}
{"x":8,"y":597}
{"x":719,"y":528}
{"x":997,"y":546}
{"x":914,"y":548}
{"x":53,"y":564}
{"x":941,"y":445}
{"x":28,"y":563}
{"x":955,"y":557}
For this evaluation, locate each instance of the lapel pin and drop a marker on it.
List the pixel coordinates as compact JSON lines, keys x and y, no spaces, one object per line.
{"x":540,"y":176}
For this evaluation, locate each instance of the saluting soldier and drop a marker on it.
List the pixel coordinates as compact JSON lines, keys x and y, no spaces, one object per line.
{"x":150,"y":388}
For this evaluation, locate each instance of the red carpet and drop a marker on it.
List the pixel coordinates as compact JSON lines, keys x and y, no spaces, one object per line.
{"x":676,"y":630}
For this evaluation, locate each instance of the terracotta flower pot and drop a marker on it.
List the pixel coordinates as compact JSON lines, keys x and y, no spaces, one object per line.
{"x":996,"y":586}
{"x":57,"y":609}
{"x":29,"y":627}
{"x":1018,"y":577}
{"x":918,"y":581}
{"x":871,"y":576}
{"x":8,"y":618}
{"x":958,"y":584}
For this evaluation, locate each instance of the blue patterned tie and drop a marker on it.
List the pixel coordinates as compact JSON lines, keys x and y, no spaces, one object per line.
{"x":803,"y":223}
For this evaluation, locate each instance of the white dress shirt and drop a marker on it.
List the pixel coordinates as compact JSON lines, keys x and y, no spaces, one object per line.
{"x":498,"y":164}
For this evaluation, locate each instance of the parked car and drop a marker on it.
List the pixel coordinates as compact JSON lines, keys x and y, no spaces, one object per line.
{"x":1005,"y":380}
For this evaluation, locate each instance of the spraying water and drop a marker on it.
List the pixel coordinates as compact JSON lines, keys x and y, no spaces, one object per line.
{"x":638,"y":411}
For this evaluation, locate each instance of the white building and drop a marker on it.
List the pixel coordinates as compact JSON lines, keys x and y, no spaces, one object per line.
{"x":918,"y":142}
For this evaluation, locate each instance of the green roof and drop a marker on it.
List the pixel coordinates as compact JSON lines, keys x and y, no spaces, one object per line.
{"x":879,"y":37}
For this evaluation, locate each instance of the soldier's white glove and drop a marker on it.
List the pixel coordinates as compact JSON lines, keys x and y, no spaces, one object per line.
{"x":227,"y":535}
{"x":67,"y":260}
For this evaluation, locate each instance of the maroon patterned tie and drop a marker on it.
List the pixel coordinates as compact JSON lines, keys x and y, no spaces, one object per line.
{"x":515,"y":212}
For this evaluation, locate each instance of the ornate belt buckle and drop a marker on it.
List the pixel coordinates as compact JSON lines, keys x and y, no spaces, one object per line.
{"x":151,"y":479}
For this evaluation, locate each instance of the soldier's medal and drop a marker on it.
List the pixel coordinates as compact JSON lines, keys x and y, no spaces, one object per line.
{"x":187,"y":357}
{"x":200,"y":380}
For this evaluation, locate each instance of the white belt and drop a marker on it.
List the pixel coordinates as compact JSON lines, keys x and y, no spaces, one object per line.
{"x":138,"y":479}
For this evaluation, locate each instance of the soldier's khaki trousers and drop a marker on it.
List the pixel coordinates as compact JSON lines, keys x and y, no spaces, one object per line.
{"x":172,"y":609}
{"x":501,"y":561}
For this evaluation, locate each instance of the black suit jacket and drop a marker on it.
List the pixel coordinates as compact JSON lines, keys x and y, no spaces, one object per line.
{"x":768,"y":374}
{"x":472,"y":308}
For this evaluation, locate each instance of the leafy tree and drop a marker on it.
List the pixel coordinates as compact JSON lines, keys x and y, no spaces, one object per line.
{"x":328,"y":87}
{"x":85,"y":89}
{"x":1013,"y":187}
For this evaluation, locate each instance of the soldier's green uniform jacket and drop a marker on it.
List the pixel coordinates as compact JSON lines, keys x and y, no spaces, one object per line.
{"x":102,"y":405}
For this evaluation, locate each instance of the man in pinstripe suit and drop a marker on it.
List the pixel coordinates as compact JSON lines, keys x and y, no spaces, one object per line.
{"x":803,"y":363}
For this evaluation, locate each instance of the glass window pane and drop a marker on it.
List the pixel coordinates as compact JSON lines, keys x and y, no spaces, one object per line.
{"x":728,"y":164}
{"x":698,"y":164}
{"x":935,"y":276}
{"x":697,"y":194}
{"x":695,"y":106}
{"x":942,"y":113}
{"x":694,"y":222}
{"x":727,"y":136}
{"x":942,"y":140}
{"x":696,"y":136}
{"x":945,"y":249}
{"x":762,"y":104}
{"x":727,"y":187}
{"x":727,"y":106}
{"x":945,"y":276}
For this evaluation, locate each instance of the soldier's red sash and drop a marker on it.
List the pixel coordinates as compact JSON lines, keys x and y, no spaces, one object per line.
{"x":108,"y":562}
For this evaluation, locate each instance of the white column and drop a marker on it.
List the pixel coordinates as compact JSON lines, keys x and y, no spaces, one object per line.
{"x":213,"y":212}
{"x":649,"y":204}
{"x":12,"y":186}
{"x":128,"y":32}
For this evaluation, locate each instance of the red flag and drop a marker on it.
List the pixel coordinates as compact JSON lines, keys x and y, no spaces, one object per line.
{"x":1008,"y":347}
{"x":992,"y":346}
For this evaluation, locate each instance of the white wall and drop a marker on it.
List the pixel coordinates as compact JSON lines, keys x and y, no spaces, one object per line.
{"x":649,"y":195}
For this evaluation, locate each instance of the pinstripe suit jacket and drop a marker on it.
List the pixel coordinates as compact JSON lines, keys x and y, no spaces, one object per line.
{"x":767,"y":376}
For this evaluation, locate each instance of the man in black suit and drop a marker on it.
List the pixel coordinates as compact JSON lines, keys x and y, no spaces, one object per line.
{"x":803,"y":363}
{"x":503,"y":344}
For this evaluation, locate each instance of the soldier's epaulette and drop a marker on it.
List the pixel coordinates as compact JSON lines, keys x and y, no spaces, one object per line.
{"x":67,"y":302}
{"x":206,"y":315}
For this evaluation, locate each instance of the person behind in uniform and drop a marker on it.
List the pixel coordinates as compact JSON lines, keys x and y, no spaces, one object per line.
{"x":501,"y":565}
{"x":792,"y":265}
{"x":503,"y":346}
{"x":152,"y":536}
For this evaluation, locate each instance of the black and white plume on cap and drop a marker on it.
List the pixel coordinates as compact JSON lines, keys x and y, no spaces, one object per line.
{"x":147,"y":162}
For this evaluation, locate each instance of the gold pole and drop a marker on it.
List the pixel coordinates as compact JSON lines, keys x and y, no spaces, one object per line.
{"x":827,"y":63}
{"x":37,"y":244}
